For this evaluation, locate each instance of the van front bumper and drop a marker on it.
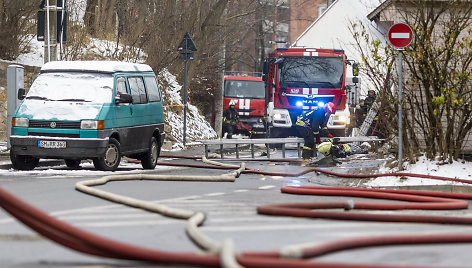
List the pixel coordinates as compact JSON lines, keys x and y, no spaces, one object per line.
{"x":75,"y":148}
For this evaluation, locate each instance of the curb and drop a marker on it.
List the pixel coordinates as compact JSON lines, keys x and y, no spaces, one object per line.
{"x":42,"y":163}
{"x":5,"y":162}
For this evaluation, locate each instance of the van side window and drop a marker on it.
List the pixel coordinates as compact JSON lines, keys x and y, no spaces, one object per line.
{"x":138,"y":91}
{"x":152,"y":89}
{"x":120,"y":85}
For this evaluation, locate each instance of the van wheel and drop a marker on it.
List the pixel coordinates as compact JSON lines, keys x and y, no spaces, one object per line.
{"x":149,"y":159}
{"x":71,"y":163}
{"x":23,"y":162}
{"x":111,"y":158}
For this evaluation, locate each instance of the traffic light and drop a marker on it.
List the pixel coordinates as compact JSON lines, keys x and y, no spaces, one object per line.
{"x":41,"y":26}
{"x":61,"y":25}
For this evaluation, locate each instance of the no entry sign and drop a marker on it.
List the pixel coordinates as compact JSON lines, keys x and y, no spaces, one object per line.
{"x":400,"y":35}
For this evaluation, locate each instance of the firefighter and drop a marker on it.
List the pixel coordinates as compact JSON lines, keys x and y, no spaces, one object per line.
{"x":361,"y":113}
{"x":336,"y":149}
{"x":312,"y":125}
{"x":230,"y":120}
{"x":370,"y":99}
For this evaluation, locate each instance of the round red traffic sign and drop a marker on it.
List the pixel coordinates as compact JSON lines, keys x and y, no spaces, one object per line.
{"x":400,"y":35}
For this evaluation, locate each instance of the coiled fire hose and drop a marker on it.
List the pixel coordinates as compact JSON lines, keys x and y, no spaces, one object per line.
{"x":86,"y":242}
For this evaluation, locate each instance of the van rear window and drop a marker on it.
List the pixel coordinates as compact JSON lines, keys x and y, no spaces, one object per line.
{"x":152,"y":89}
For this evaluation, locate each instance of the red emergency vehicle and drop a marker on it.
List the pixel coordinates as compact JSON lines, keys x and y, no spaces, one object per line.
{"x":299,"y":79}
{"x":248,"y":95}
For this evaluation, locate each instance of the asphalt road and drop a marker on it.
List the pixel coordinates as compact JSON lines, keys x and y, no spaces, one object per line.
{"x":230,"y":208}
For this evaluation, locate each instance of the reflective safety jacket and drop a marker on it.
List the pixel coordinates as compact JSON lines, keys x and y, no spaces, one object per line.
{"x":315,"y":119}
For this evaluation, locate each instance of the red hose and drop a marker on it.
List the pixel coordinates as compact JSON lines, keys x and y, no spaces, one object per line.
{"x":420,"y":202}
{"x":425,"y":200}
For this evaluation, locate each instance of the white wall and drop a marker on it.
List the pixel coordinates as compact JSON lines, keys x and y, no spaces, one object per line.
{"x":331,"y":30}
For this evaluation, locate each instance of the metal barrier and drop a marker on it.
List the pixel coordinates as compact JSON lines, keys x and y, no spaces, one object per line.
{"x":251,"y":143}
{"x":281,"y":141}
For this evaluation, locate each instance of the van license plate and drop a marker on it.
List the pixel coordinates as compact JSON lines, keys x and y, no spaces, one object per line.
{"x":52,"y":144}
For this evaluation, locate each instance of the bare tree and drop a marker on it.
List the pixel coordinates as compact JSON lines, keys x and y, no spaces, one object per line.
{"x":439,"y":88}
{"x":437,"y":107}
{"x":16,"y":27}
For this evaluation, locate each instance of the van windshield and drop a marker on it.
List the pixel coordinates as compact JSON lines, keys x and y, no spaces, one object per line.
{"x":76,"y":87}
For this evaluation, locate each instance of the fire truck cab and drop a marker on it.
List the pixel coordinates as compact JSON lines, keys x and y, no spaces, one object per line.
{"x":248,"y":95}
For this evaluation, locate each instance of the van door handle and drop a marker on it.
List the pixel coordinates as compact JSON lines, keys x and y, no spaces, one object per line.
{"x":131,"y":109}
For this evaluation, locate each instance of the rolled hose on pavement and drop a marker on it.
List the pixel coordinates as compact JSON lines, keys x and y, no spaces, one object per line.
{"x":425,"y":200}
{"x":83,"y":241}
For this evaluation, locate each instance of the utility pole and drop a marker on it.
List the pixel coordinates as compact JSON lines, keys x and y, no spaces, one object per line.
{"x":52,"y":25}
{"x":187,"y":48}
{"x":50,"y":43}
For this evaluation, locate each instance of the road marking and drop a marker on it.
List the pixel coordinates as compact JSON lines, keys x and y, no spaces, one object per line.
{"x":131,"y":223}
{"x":215,"y":194}
{"x":331,"y":227}
{"x":266,"y":187}
{"x":241,"y":191}
{"x":112,"y":216}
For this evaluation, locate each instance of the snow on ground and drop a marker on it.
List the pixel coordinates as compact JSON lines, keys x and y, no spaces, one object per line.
{"x":36,"y":55}
{"x":197,"y":127}
{"x":458,"y":169}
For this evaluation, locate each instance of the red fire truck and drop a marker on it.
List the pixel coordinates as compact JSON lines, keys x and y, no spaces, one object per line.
{"x":297,"y":80}
{"x":248,"y":95}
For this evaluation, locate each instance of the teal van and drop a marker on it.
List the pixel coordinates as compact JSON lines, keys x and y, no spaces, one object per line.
{"x":98,"y":110}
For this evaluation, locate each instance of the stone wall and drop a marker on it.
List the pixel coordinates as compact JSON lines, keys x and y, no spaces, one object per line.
{"x":31,"y":72}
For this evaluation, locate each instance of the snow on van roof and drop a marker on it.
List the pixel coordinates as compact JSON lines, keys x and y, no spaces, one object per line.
{"x":96,"y":66}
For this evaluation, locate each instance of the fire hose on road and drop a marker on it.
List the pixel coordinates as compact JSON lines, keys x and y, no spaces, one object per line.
{"x":221,"y":255}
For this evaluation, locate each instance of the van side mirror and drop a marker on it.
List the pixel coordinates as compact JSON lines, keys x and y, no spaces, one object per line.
{"x":21,"y":93}
{"x":123,"y":98}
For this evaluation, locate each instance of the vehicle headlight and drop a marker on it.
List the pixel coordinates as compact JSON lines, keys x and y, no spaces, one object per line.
{"x":279,"y":116}
{"x":19,"y":122}
{"x":92,"y":124}
{"x":342,"y":118}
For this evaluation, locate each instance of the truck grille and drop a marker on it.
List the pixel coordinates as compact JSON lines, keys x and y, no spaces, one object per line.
{"x":57,"y":124}
{"x":292,"y":100}
{"x":63,"y":135}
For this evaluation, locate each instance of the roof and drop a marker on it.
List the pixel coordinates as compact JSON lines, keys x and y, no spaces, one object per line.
{"x":95,"y":66}
{"x":376,"y":12}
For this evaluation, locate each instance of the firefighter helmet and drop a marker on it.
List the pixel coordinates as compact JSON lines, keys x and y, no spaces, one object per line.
{"x":329,"y":107}
{"x":232,"y":103}
{"x":324,"y":147}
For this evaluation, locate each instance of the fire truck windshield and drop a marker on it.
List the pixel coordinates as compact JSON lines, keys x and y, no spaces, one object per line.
{"x":320,"y":72}
{"x":244,"y":89}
